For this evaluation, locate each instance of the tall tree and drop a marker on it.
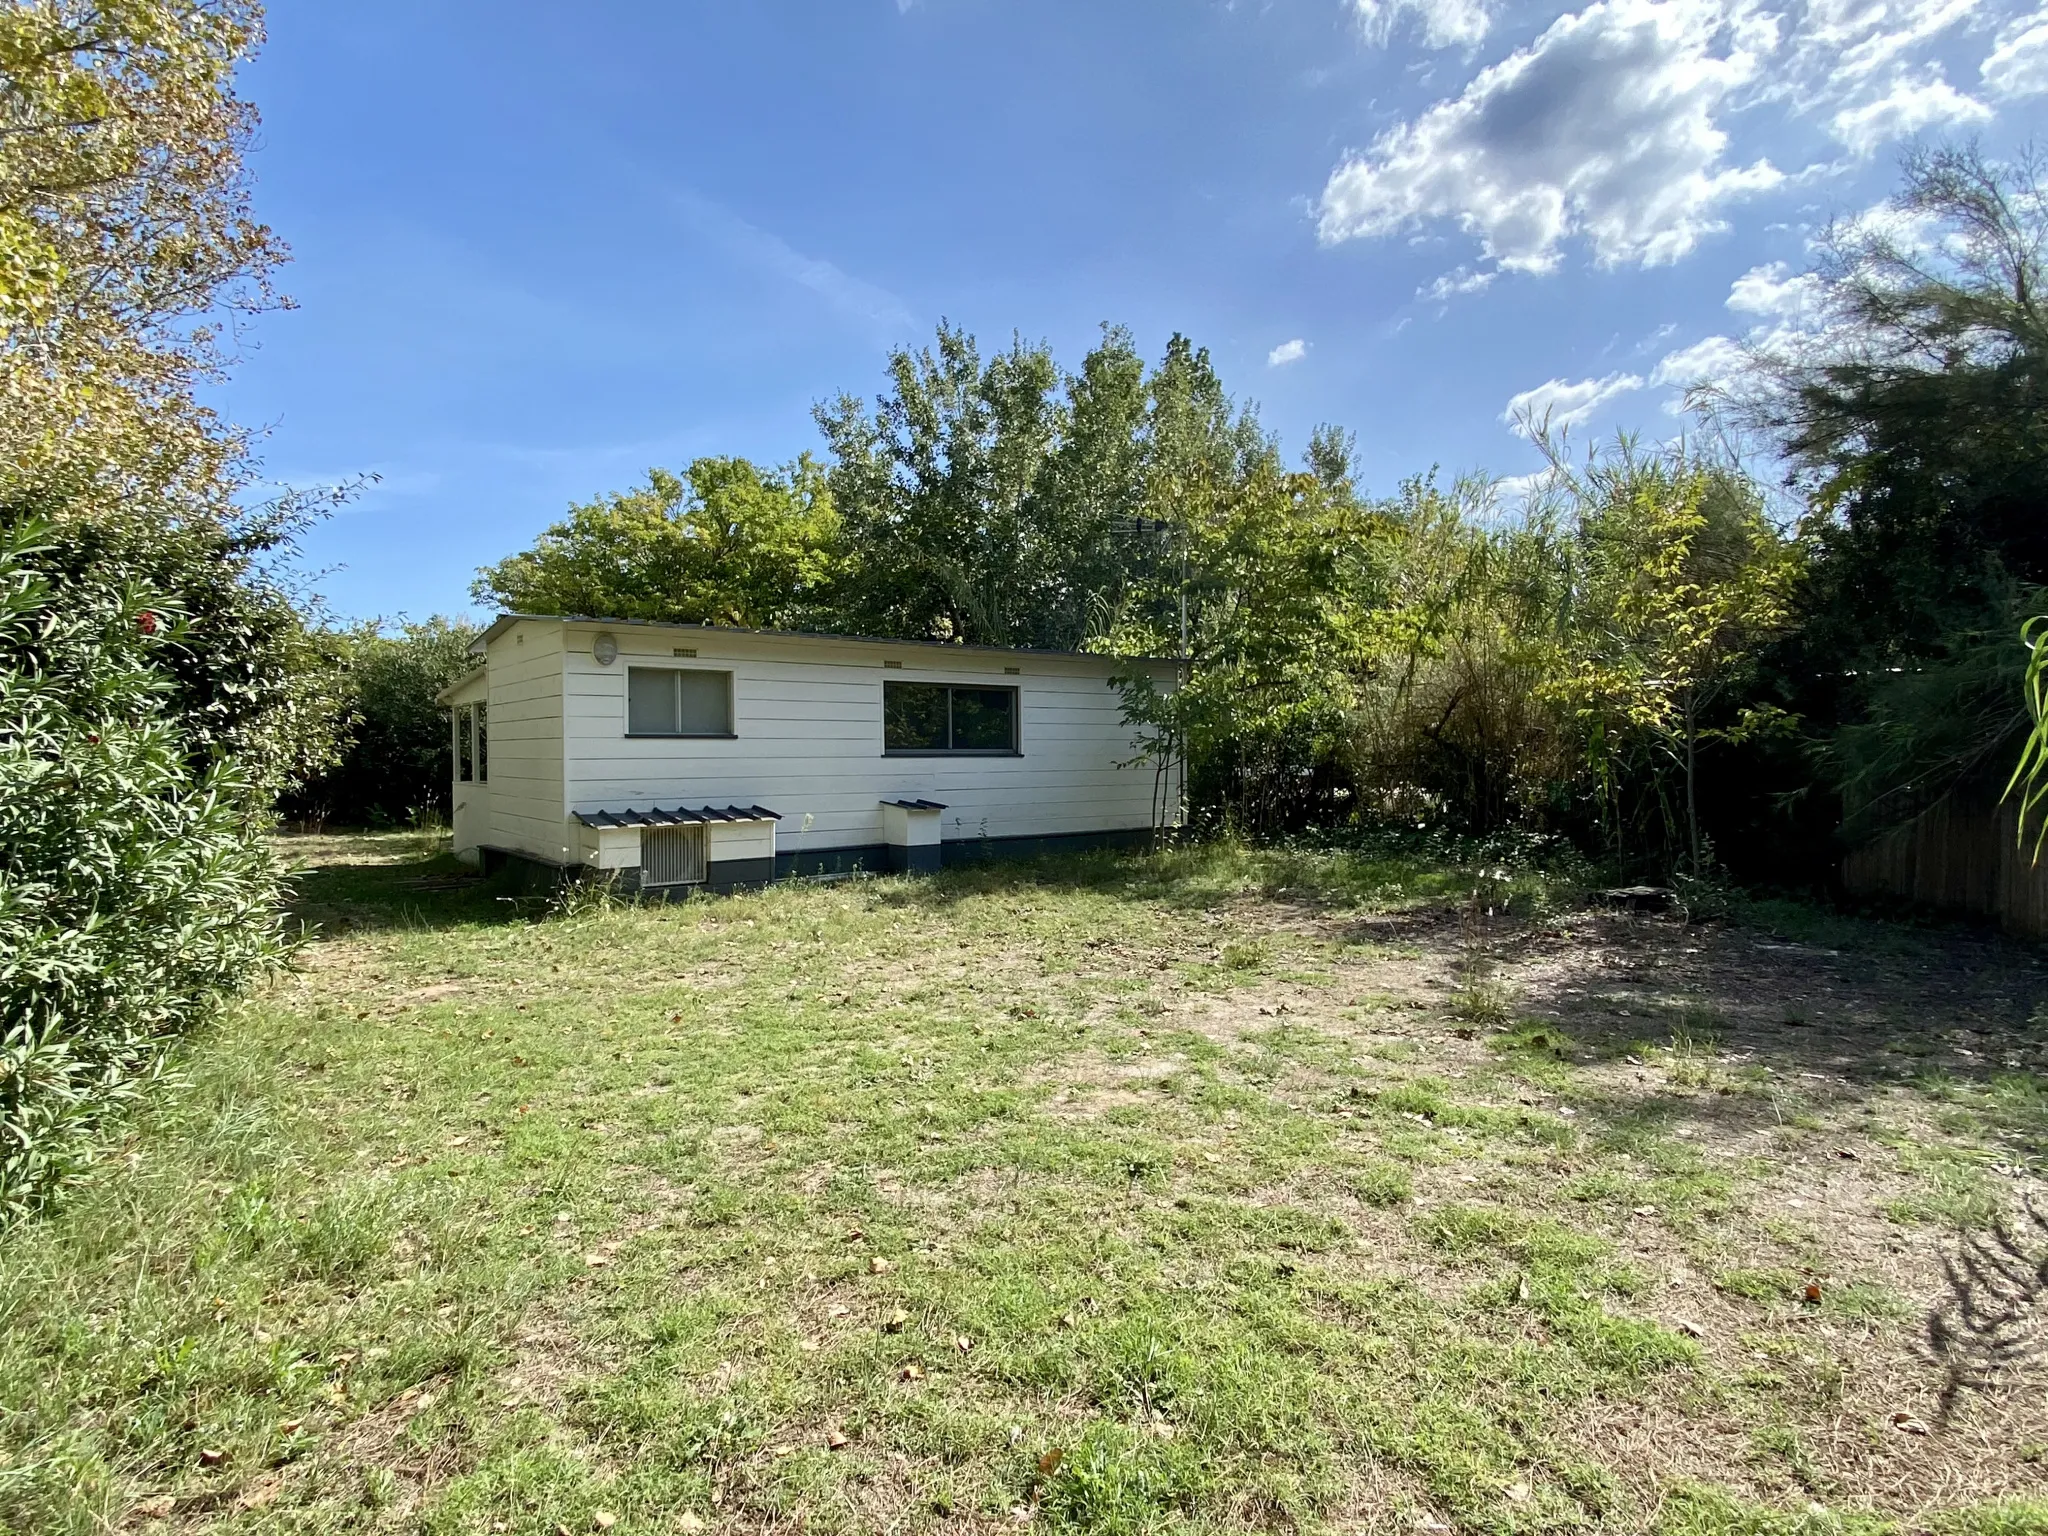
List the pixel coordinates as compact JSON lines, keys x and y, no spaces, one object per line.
{"x":1677,"y":580}
{"x":935,"y":489}
{"x":1915,"y":418}
{"x":725,"y":542}
{"x":155,"y":680}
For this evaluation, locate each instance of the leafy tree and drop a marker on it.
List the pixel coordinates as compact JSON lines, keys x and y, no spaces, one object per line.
{"x":1915,"y":418}
{"x":1276,"y":569}
{"x":394,"y":767}
{"x":1677,"y":580}
{"x":132,"y":897}
{"x":935,"y":488}
{"x":156,"y":682}
{"x":1455,"y":721}
{"x":725,"y":542}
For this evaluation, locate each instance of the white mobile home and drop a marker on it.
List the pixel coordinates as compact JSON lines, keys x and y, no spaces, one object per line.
{"x":674,"y":755}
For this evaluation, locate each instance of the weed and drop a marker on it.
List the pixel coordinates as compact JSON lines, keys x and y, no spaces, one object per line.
{"x":1383,"y":1183}
{"x":1484,"y":1004}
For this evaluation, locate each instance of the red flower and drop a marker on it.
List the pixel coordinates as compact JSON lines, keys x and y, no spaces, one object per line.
{"x":146,"y":622}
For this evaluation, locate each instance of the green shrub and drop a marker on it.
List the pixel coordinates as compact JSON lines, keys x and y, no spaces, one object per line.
{"x":134,"y":889}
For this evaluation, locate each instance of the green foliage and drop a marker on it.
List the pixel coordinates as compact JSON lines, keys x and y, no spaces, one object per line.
{"x":725,"y":542}
{"x":132,"y":893}
{"x":1916,"y":420}
{"x":1676,"y":579}
{"x":158,"y":682}
{"x":394,"y":767}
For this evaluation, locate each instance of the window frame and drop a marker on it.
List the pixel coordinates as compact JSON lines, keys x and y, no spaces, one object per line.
{"x":465,"y":756}
{"x":1014,"y":749}
{"x":728,"y":734}
{"x":480,"y":740}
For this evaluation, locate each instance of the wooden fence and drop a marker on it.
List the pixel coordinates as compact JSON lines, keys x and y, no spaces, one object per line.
{"x":1961,"y":854}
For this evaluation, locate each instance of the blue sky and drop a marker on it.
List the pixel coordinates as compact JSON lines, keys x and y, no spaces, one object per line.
{"x":539,"y":248}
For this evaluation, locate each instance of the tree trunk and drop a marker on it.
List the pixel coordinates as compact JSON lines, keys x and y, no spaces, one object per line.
{"x":1692,"y":810}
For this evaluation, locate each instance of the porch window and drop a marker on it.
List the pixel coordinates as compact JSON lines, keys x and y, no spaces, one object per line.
{"x":948,"y":717}
{"x":472,"y":743}
{"x":678,"y":701}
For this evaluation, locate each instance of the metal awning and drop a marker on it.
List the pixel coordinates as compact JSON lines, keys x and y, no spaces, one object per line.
{"x":915,"y":805}
{"x":682,"y":815}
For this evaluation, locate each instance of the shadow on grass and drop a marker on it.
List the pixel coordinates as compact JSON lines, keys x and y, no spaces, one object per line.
{"x":1389,"y":882}
{"x":376,"y":882}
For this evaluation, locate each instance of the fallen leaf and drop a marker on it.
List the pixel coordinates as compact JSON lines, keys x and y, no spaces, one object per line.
{"x":597,"y":1260}
{"x":837,"y":1309}
{"x":808,"y":1346}
{"x":1690,"y":1329}
{"x":290,"y":1426}
{"x":212,"y":1458}
{"x":834,"y":1441}
{"x":1905,"y":1423}
{"x":855,"y":1235}
{"x":688,"y":1523}
{"x":879,"y":1266}
{"x":1049,"y":1463}
{"x":1521,"y":1288}
{"x":1162,"y":1429}
{"x":963,"y":1344}
{"x":154,"y":1509}
{"x":896,"y":1321}
{"x":1066,"y":1319}
{"x":913,"y":1373}
{"x":1517,"y":1493}
{"x":1844,"y":1152}
{"x":604,"y":1519}
{"x":1646,"y":1210}
{"x":1812,"y":1292}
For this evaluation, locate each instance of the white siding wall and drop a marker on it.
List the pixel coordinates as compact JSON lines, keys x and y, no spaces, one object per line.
{"x":807,"y":716}
{"x":528,"y":808}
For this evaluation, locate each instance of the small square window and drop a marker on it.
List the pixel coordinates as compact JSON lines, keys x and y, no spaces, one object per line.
{"x":678,"y":701}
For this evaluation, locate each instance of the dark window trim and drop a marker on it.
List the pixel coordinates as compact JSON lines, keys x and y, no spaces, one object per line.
{"x":952,"y":751}
{"x":682,"y":735}
{"x":1014,"y":690}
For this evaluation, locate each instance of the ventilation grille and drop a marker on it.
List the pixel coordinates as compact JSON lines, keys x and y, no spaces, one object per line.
{"x":672,"y":856}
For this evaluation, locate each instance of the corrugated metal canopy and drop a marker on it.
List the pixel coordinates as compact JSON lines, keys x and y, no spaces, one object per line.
{"x":682,"y":815}
{"x":916,"y":805}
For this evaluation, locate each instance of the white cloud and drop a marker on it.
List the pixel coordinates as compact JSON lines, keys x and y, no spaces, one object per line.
{"x":1611,"y":129}
{"x":1443,"y":23}
{"x":2018,"y":65}
{"x":1287,"y":352}
{"x":1602,"y":129}
{"x":1512,"y":492}
{"x":840,"y":290}
{"x":1707,"y":362}
{"x":1558,"y":404}
{"x":1767,"y":290}
{"x":1835,"y":47}
{"x":1903,"y":110}
{"x":1450,"y":284}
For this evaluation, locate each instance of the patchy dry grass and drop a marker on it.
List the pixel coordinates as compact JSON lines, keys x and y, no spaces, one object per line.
{"x":1208,"y":1192}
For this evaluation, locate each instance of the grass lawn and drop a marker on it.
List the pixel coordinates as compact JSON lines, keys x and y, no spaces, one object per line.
{"x":1212,"y":1191}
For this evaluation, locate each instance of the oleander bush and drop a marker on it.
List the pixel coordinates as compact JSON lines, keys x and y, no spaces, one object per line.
{"x":135,"y":889}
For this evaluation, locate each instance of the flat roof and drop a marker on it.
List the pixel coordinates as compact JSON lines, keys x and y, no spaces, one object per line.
{"x":504,"y":621}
